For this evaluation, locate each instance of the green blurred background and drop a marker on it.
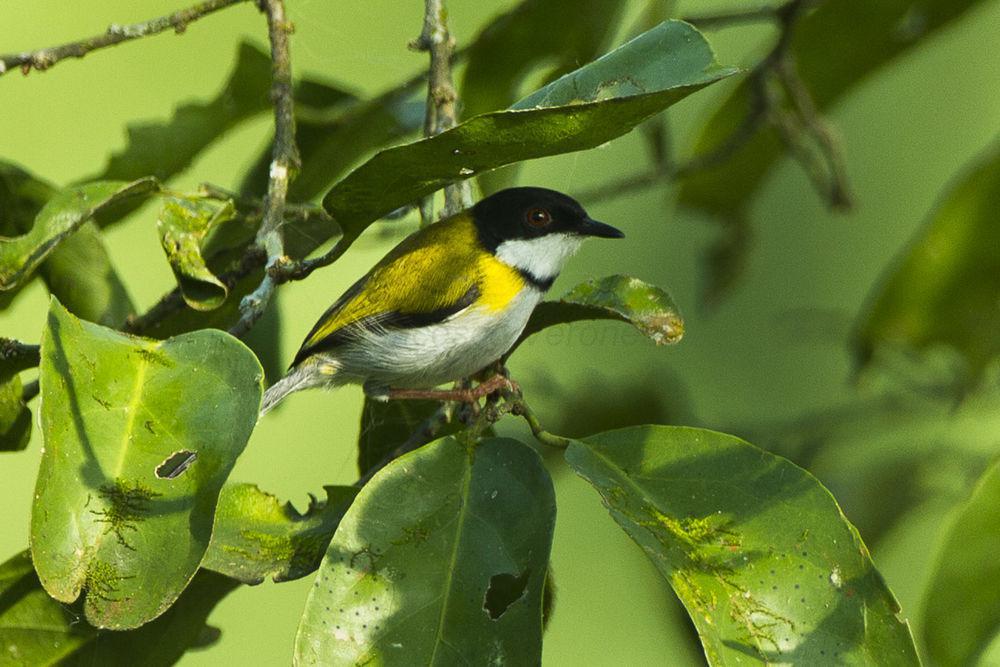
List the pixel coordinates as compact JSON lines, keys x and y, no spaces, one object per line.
{"x":775,"y":350}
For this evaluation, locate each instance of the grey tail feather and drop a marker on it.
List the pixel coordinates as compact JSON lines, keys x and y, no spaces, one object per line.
{"x":296,"y":379}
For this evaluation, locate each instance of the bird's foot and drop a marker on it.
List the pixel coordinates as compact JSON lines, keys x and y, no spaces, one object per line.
{"x":491,"y":385}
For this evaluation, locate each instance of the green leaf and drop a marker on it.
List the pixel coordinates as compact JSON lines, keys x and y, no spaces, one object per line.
{"x":79,"y":271}
{"x":15,"y":418}
{"x":37,"y":630}
{"x":335,"y":133}
{"x":584,"y":109}
{"x":757,"y":550}
{"x":962,"y":608}
{"x":385,"y":425}
{"x":111,"y":517}
{"x":166,"y":149}
{"x":256,"y":537}
{"x":440,"y":560}
{"x":646,"y":307}
{"x":865,"y":36}
{"x":62,"y":215}
{"x":944,"y":290}
{"x":183,"y":224}
{"x":517,"y":43}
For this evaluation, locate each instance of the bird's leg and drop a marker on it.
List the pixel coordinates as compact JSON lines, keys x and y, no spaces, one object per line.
{"x":485,"y":388}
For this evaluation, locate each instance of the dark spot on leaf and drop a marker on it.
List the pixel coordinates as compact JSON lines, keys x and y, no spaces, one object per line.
{"x":148,"y":424}
{"x":503,"y":591}
{"x":174,"y":465}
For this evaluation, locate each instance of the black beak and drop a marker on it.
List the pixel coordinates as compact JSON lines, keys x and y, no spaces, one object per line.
{"x":590,"y":227}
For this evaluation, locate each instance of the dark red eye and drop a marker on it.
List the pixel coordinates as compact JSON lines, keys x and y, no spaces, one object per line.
{"x":539,"y":217}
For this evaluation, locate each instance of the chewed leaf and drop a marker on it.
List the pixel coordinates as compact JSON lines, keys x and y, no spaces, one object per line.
{"x":62,"y":215}
{"x":256,"y":536}
{"x":584,"y":109}
{"x":766,"y":564}
{"x":183,"y":225}
{"x":646,"y":307}
{"x":114,"y":408}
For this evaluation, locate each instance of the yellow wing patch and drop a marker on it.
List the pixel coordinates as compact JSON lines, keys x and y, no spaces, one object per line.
{"x":427,"y":272}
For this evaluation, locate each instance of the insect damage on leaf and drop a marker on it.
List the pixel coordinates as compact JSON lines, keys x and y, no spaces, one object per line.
{"x":125,"y":505}
{"x":503,"y":591}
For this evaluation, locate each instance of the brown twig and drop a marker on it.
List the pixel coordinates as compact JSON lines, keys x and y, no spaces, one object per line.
{"x":284,"y":163}
{"x":42,"y":59}
{"x":441,"y":100}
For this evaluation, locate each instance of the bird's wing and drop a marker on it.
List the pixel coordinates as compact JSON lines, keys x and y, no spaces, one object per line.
{"x":427,"y":278}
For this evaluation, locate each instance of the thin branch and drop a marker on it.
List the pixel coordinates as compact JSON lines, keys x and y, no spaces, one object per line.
{"x":42,"y":59}
{"x":16,"y":356}
{"x":441,"y":99}
{"x":284,"y":163}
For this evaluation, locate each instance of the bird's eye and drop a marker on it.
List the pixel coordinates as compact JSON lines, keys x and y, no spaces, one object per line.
{"x":539,"y":217}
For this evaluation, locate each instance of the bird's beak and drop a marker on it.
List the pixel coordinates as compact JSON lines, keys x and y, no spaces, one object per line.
{"x":594,"y":228}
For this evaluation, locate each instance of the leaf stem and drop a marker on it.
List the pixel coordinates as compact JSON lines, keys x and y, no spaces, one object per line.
{"x":16,"y":356}
{"x":284,"y":164}
{"x":42,"y":59}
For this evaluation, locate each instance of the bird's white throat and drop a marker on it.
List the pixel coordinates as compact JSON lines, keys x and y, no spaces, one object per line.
{"x":542,"y":257}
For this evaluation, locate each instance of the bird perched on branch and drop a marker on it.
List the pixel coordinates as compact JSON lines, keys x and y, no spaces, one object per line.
{"x":445,"y":303}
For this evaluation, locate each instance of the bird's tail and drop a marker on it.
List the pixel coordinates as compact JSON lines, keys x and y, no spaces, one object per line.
{"x":300,"y":377}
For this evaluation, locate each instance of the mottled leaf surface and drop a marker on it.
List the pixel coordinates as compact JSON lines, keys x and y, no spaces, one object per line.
{"x":945,"y":288}
{"x":37,"y":630}
{"x":62,"y":215}
{"x":441,"y":560}
{"x":183,"y":225}
{"x":583,"y":109}
{"x":648,"y":308}
{"x":962,"y":608}
{"x":256,"y":536}
{"x":106,"y":521}
{"x":758,"y":551}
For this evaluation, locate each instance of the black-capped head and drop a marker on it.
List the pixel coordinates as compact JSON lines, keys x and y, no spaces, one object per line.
{"x":529,"y":213}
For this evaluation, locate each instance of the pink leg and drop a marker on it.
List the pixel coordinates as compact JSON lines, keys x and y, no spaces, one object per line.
{"x":490,"y":386}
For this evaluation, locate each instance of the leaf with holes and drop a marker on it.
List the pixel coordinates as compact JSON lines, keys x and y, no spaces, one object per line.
{"x":37,"y":630}
{"x":114,"y":410}
{"x":758,"y":551}
{"x":257,"y":537}
{"x":440,"y":560}
{"x":944,"y":290}
{"x":583,"y":109}
{"x":62,"y":215}
{"x":648,"y":308}
{"x":963,"y":600}
{"x":183,"y":225}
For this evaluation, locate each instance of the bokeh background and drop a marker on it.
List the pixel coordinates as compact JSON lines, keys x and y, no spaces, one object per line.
{"x":773,"y":353}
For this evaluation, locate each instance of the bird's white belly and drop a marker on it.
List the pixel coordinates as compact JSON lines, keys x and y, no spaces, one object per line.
{"x":427,"y":356}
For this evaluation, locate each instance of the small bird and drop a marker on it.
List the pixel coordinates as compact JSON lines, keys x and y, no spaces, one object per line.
{"x":445,"y":303}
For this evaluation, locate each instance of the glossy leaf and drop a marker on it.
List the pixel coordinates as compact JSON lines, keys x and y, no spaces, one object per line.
{"x":944,"y":290}
{"x":864,"y":35}
{"x":962,"y":608}
{"x":517,"y":43}
{"x":15,"y":418}
{"x":183,"y":224}
{"x":440,"y":560}
{"x":646,"y":307}
{"x":37,"y":630}
{"x":583,"y":109}
{"x":62,"y":215}
{"x":256,"y":537}
{"x":108,"y":520}
{"x":163,"y":149}
{"x":758,"y":551}
{"x":336,"y":131}
{"x":78,"y":271}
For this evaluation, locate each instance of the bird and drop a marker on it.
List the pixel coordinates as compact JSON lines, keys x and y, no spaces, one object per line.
{"x":445,"y":303}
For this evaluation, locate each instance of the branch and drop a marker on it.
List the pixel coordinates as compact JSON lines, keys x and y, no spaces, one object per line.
{"x":284,"y":162}
{"x":16,"y":356}
{"x":42,"y":59}
{"x":441,"y":100}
